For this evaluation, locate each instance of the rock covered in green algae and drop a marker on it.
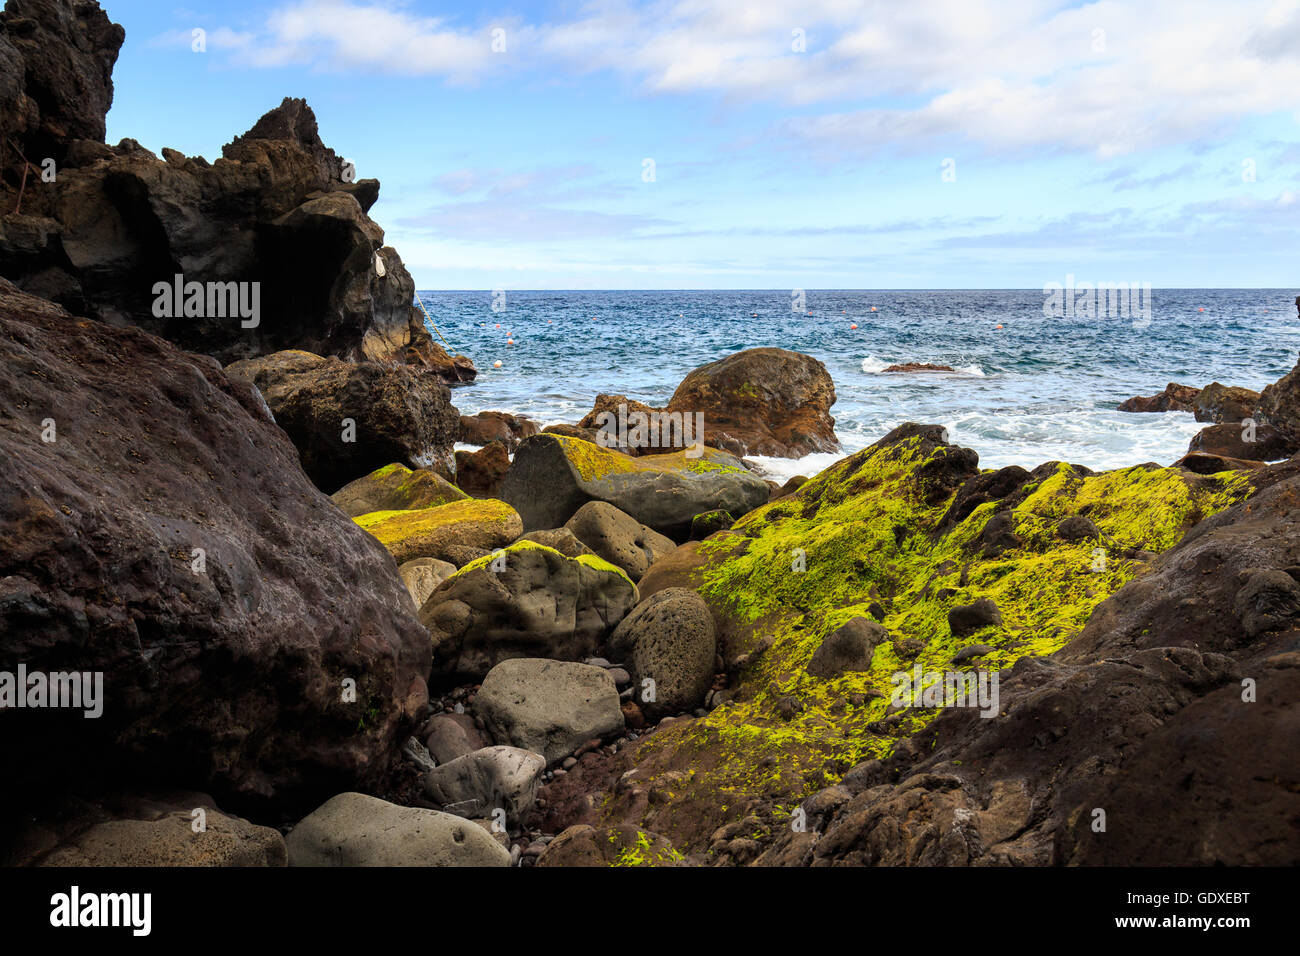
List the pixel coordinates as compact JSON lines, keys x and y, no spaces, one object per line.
{"x":879,"y":531}
{"x":526,"y":600}
{"x":553,"y":476}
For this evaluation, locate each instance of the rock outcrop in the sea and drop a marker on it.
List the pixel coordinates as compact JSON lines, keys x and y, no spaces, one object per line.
{"x":893,"y":537}
{"x":762,"y":401}
{"x":487,"y":427}
{"x":553,"y":476}
{"x":348,"y":419}
{"x":253,"y":642}
{"x":268,"y":248}
{"x":1213,"y":403}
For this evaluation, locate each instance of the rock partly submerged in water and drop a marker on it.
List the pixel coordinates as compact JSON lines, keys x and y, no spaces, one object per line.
{"x":348,"y":419}
{"x":553,"y":476}
{"x":158,"y":529}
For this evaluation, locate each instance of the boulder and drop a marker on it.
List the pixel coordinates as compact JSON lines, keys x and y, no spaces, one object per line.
{"x":480,"y":472}
{"x":487,"y":427}
{"x":353,"y":829}
{"x":561,"y":539}
{"x":549,"y":707}
{"x":669,"y":639}
{"x":966,"y":619}
{"x":1224,"y":403}
{"x":395,"y":488}
{"x":1279,"y":403}
{"x":619,"y":538}
{"x":348,"y":419}
{"x":423,"y":575}
{"x":157,"y":528}
{"x":1230,"y":441}
{"x":434,"y":532}
{"x":1175,"y":398}
{"x":850,"y":647}
{"x":762,"y":401}
{"x":620,"y":845}
{"x":136,"y":830}
{"x":452,"y":736}
{"x":553,"y":476}
{"x":710,"y":522}
{"x":479,"y":783}
{"x":524,"y":601}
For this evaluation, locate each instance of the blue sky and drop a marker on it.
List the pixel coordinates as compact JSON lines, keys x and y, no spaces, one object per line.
{"x":818,"y":144}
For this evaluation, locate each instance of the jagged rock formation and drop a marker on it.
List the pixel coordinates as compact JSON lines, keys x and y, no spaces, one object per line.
{"x":279,"y":209}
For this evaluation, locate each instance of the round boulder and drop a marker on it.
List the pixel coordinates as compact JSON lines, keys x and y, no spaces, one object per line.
{"x":669,"y":639}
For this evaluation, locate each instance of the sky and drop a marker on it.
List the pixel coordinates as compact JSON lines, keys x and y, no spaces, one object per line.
{"x":753,"y":144}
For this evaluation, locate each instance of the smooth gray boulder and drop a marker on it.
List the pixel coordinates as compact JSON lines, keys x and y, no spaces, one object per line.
{"x":423,"y":575}
{"x":670,"y":639}
{"x":453,"y":735}
{"x":619,"y":538}
{"x":479,"y":783}
{"x":353,"y":829}
{"x":552,"y":476}
{"x":549,"y":707}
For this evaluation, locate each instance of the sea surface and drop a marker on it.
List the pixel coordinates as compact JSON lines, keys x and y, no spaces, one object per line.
{"x":1027,"y":388}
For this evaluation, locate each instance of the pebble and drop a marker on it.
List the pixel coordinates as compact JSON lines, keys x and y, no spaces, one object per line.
{"x":569,"y":763}
{"x":620,"y":676}
{"x":598,"y":662}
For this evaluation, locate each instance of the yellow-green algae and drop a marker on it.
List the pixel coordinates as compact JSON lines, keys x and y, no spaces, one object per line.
{"x":593,"y":462}
{"x":391,"y":527}
{"x":868,"y":536}
{"x":588,"y":560}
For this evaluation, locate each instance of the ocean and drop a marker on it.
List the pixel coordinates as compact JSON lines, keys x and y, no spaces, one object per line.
{"x":1034,"y":390}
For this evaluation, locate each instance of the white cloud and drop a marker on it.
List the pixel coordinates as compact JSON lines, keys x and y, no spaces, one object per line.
{"x":1109,"y":78}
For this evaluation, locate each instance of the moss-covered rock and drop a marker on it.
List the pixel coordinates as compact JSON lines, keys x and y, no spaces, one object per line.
{"x":554,"y":475}
{"x":873,"y":537}
{"x":430,"y":532}
{"x":526,"y":600}
{"x":395,"y":488}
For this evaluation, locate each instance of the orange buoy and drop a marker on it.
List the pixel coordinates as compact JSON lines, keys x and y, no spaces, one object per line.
{"x":873,"y":308}
{"x":999,"y":326}
{"x":510,"y":341}
{"x":854,"y":326}
{"x":1200,"y":310}
{"x":498,"y":325}
{"x":496,"y":364}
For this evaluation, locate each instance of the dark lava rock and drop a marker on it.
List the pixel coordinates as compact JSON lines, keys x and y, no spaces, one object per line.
{"x":1076,"y":528}
{"x":398,"y":414}
{"x":480,"y":473}
{"x":1175,"y":398}
{"x":919,"y":367}
{"x":847,"y":648}
{"x":1232,"y":441}
{"x":668,"y":638}
{"x":968,"y":618}
{"x":279,"y":213}
{"x":762,"y":401}
{"x":487,"y":427}
{"x":1224,"y":403}
{"x":168,"y":538}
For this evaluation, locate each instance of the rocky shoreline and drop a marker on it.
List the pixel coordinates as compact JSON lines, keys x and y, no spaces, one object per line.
{"x":326,"y":637}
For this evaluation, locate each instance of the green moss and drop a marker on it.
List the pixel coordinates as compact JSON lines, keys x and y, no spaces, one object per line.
{"x":864,"y":533}
{"x":593,"y":462}
{"x":391,"y":527}
{"x":587,"y":560}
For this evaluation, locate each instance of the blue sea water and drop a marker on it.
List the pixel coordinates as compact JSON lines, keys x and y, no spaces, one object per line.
{"x":1035,"y":390}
